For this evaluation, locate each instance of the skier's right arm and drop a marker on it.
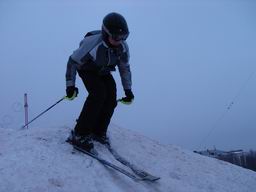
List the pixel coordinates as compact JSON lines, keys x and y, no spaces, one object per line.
{"x":71,"y":73}
{"x":71,"y":90}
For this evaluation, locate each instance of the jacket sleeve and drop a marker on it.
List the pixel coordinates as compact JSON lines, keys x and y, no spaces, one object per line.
{"x":126,"y":76}
{"x":124,"y":68}
{"x":71,"y":73}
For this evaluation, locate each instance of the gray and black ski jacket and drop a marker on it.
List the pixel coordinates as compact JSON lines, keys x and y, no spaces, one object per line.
{"x":94,"y":54}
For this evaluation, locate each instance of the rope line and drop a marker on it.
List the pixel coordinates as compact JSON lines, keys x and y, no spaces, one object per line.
{"x":229,"y":107}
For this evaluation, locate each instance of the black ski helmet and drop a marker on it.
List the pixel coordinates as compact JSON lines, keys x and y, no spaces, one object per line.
{"x":115,"y":25}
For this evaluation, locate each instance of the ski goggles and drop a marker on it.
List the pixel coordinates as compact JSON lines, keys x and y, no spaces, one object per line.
{"x":116,"y":37}
{"x":122,"y":37}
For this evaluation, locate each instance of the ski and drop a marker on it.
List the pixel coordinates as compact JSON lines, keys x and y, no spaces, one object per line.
{"x":107,"y":163}
{"x":140,"y":173}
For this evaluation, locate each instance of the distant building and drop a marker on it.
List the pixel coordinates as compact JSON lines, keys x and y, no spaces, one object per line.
{"x":215,"y":153}
{"x":237,"y":157}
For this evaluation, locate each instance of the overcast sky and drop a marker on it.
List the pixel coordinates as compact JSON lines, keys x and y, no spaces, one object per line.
{"x":193,"y":65}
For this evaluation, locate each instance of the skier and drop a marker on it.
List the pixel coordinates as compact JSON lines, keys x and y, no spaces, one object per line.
{"x":97,"y":56}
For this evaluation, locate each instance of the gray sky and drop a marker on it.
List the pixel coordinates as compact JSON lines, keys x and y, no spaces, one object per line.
{"x":190,"y":60}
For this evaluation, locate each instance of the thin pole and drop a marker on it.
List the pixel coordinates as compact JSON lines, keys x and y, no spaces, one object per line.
{"x":26,"y":109}
{"x":43,"y":112}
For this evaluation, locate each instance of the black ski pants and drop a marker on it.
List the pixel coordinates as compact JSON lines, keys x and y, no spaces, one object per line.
{"x":99,"y":105}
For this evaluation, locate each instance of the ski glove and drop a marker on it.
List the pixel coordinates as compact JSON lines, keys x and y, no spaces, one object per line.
{"x":129,"y":97}
{"x":71,"y":92}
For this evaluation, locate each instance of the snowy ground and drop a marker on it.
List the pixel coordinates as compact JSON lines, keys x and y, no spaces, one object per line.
{"x":39,"y":160}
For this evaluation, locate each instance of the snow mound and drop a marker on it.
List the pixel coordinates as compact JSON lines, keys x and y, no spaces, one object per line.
{"x":39,"y":159}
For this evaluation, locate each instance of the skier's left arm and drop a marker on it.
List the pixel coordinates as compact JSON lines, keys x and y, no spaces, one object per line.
{"x":126,"y":77}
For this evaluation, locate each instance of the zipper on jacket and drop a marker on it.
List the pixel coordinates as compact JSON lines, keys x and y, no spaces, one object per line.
{"x":109,"y":60}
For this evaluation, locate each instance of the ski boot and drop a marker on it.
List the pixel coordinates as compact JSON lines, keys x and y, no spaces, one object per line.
{"x":82,"y":141}
{"x":103,"y":139}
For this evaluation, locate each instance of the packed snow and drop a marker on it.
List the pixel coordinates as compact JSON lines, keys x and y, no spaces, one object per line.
{"x":38,"y":159}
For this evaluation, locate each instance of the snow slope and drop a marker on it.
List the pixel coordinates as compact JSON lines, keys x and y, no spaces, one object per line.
{"x":39,"y":160}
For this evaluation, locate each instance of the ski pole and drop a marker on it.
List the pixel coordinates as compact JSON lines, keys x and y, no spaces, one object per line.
{"x":43,"y":112}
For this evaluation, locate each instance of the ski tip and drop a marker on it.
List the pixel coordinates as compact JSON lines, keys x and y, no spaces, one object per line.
{"x":156,"y":179}
{"x":151,"y":179}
